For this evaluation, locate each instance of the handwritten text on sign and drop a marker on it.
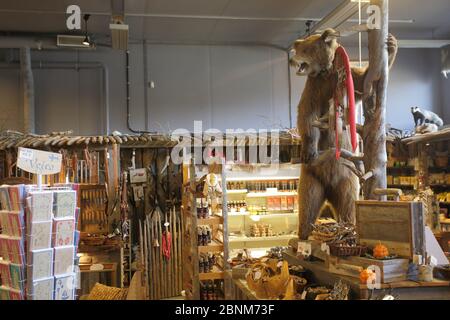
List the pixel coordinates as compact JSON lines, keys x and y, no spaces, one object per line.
{"x":39,"y":162}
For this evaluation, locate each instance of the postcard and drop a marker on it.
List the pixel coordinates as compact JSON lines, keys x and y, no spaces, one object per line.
{"x":64,"y":257}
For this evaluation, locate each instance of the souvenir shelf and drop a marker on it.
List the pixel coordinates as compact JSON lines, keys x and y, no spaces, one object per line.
{"x":262,"y":206}
{"x":204,"y":211}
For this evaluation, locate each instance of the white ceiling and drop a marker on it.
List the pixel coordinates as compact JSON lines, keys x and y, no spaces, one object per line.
{"x":275,"y":22}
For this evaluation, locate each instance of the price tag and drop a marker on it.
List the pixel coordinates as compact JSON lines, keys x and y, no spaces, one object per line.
{"x":325,"y":248}
{"x":303,"y":297}
{"x":304,"y":248}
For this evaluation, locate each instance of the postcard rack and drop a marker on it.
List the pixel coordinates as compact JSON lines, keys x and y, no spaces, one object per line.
{"x":38,"y":243}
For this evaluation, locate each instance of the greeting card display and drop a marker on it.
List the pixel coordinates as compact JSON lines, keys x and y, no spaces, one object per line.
{"x":5,"y":275}
{"x":17,"y":276}
{"x":16,"y":223}
{"x":64,"y":287}
{"x":16,"y":195}
{"x":40,"y":235}
{"x":4,"y":293}
{"x":42,"y":289}
{"x":64,"y":257}
{"x":4,"y":247}
{"x":41,"y":264}
{"x":41,"y":205}
{"x":4,"y":221}
{"x":65,"y":203}
{"x":4,"y":198}
{"x":63,"y":232}
{"x":16,"y":252}
{"x":15,"y":294}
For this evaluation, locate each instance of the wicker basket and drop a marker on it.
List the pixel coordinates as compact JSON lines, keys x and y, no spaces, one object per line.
{"x":347,"y":251}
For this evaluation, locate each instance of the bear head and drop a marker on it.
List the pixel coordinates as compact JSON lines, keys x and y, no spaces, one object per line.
{"x":315,"y":53}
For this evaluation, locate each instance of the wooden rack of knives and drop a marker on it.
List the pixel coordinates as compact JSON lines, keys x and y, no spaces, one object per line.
{"x":93,"y":208}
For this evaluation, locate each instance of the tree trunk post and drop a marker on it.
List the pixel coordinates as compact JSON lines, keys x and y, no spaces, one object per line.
{"x":375,"y":92}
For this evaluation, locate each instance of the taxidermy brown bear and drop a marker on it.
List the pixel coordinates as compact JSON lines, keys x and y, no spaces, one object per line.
{"x":323,"y":177}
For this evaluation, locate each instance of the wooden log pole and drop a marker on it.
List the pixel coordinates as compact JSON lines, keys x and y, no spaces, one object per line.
{"x":375,"y":92}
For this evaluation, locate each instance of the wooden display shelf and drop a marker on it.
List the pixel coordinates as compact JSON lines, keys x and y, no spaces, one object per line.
{"x":216,"y":274}
{"x":401,"y":168}
{"x":406,"y":290}
{"x":212,"y":220}
{"x":440,"y":186}
{"x":401,"y":186}
{"x":82,"y":248}
{"x":214,"y":246}
{"x":271,"y":194}
{"x":257,"y":239}
{"x":267,"y":178}
{"x":269,"y":215}
{"x":237,"y":191}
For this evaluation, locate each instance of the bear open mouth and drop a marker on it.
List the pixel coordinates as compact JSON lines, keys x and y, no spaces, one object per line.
{"x":303,"y":67}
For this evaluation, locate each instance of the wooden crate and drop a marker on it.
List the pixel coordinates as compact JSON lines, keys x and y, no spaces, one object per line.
{"x":398,"y":225}
{"x":392,"y":270}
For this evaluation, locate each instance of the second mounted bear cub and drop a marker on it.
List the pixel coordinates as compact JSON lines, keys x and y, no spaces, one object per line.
{"x":323,"y":177}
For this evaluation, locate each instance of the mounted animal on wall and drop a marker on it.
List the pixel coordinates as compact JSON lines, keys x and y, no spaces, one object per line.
{"x":323,"y":176}
{"x":422,"y":116}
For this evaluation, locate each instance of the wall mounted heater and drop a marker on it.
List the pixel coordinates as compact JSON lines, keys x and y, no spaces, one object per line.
{"x":71,"y":41}
{"x":119,"y":36}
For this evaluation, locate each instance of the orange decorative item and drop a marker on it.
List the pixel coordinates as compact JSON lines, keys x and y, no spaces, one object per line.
{"x":380,"y":251}
{"x":366,"y":276}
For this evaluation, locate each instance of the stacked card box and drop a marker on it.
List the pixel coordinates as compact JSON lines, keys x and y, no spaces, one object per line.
{"x":51,"y":242}
{"x":38,"y":245}
{"x":12,"y":243}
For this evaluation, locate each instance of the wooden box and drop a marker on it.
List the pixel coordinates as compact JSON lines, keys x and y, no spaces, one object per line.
{"x":392,"y":270}
{"x":397,"y":225}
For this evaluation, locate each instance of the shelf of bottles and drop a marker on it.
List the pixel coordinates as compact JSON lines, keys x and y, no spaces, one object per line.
{"x":262,"y":208}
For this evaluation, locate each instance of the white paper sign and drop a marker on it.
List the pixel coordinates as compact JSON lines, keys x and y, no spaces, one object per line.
{"x":138,"y":175}
{"x":304,"y":248}
{"x":39,"y":162}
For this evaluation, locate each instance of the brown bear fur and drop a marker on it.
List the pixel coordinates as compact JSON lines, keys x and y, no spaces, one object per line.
{"x":322,"y":176}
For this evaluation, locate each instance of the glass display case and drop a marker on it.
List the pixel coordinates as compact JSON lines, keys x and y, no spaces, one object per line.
{"x":262,"y":206}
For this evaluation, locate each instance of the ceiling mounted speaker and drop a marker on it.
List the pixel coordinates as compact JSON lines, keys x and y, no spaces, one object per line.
{"x":69,"y":41}
{"x":119,"y":36}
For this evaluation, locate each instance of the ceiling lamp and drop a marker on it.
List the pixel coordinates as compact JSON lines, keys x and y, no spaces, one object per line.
{"x":86,"y":40}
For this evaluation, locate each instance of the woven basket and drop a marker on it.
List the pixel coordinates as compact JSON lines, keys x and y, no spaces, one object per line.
{"x":347,"y":251}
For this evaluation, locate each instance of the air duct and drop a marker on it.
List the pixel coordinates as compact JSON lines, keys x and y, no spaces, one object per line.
{"x":27,"y":42}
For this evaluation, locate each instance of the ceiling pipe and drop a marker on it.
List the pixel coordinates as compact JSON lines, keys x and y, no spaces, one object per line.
{"x":184,"y":16}
{"x":27,"y":42}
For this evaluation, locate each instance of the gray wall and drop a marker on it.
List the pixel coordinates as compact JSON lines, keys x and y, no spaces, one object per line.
{"x":415,"y":80}
{"x":10,"y":93}
{"x":225,"y":86}
{"x":446,"y":99}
